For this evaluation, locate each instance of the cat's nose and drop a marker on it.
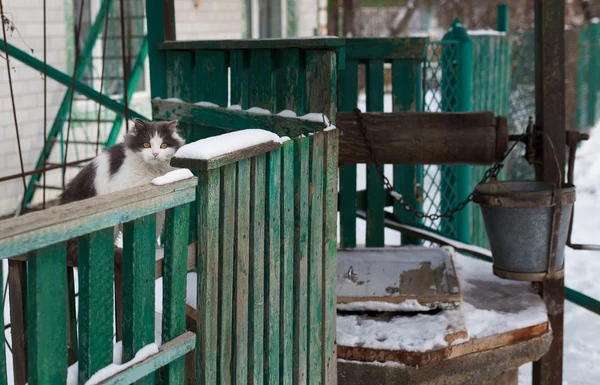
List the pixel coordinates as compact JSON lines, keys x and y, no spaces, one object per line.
{"x":155,"y":154}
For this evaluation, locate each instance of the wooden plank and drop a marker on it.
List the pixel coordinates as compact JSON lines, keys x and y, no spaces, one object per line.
{"x":450,"y":352}
{"x":262,"y":92}
{"x":272,"y":266}
{"x":226,"y":266}
{"x":208,"y":278}
{"x":406,"y":77}
{"x":330,"y":183}
{"x":301,"y":194}
{"x":286,"y":327}
{"x":241,"y":273}
{"x":375,"y":189}
{"x":174,"y":285}
{"x":291,"y":81}
{"x":257,"y":270}
{"x":348,"y":97}
{"x":167,"y":353}
{"x":386,"y":48}
{"x":396,"y":275}
{"x":60,"y":223}
{"x":226,"y":119}
{"x":424,"y":138}
{"x":313,"y":43}
{"x":210,"y":85}
{"x":17,"y":286}
{"x":321,"y":83}
{"x":239,"y":75}
{"x":46,"y":315}
{"x":95,"y":271}
{"x":181,"y":86}
{"x":315,"y":261}
{"x":3,"y":367}
{"x":139,"y":245}
{"x":72,"y":344}
{"x":226,"y":159}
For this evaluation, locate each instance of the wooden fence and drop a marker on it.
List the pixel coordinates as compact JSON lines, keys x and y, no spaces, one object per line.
{"x":264,"y":256}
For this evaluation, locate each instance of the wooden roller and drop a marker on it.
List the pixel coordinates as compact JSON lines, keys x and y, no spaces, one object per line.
{"x":477,"y":138}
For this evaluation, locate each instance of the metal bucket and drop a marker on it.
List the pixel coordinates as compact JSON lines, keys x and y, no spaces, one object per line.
{"x":518,"y":221}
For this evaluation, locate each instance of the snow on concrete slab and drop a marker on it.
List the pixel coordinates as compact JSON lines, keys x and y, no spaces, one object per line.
{"x":225,"y":144}
{"x":490,"y":306}
{"x":172,"y":177}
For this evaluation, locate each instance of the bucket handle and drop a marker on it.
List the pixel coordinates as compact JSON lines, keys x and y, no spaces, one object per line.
{"x":557,"y":204}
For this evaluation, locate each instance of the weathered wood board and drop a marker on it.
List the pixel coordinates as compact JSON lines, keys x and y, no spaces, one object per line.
{"x":396,"y":279}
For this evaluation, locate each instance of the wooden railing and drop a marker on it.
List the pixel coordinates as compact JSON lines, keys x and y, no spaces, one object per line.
{"x":42,"y":237}
{"x":264,"y":258}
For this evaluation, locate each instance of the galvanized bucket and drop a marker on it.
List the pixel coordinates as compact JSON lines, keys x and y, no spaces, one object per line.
{"x":518,"y":219}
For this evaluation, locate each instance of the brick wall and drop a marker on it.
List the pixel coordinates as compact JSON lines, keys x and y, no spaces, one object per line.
{"x":213,"y":19}
{"x":28,"y":87}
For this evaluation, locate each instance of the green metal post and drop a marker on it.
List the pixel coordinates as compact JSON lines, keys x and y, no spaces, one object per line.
{"x":464,"y":82}
{"x":593,"y":72}
{"x":133,"y":81}
{"x":502,"y":20}
{"x":292,"y":18}
{"x":159,"y":13}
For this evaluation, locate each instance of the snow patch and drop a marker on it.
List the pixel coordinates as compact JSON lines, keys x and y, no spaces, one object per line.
{"x":235,"y":107}
{"x":207,"y":104}
{"x":225,"y":144}
{"x":288,"y":114}
{"x":486,"y":32}
{"x":173,"y":100}
{"x":258,"y":110}
{"x":405,"y":306}
{"x":114,"y":368}
{"x":173,"y":176}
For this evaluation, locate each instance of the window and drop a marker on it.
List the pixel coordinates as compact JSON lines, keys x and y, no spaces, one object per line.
{"x":134,"y":21}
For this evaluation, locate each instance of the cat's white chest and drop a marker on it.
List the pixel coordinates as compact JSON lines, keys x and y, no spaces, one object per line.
{"x":130,"y":174}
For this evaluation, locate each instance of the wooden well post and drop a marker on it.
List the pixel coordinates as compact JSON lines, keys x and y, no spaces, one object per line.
{"x":550,"y":119}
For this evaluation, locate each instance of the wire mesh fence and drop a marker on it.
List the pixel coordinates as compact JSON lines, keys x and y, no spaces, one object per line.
{"x":440,"y":95}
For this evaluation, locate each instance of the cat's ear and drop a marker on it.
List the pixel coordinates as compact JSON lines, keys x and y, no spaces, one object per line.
{"x":173,"y":125}
{"x":138,"y":124}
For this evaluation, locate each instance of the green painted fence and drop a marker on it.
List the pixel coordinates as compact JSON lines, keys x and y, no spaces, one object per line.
{"x":405,"y":57}
{"x":289,"y":334}
{"x":41,"y":238}
{"x":462,"y":72}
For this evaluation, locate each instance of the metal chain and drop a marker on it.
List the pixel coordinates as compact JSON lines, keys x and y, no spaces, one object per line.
{"x":490,"y":174}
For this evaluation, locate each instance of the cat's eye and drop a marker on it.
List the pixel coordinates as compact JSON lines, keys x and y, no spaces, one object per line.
{"x":164,"y":145}
{"x":146,"y":145}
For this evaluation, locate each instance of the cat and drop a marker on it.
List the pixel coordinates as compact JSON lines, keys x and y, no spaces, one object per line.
{"x":144,"y":154}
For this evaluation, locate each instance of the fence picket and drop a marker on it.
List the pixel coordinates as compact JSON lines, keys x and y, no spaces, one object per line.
{"x":272,"y":266}
{"x":315,"y":261}
{"x":47,"y":315}
{"x":257,"y":271}
{"x":301,"y":193}
{"x":226,"y":266}
{"x":139,"y":249}
{"x":208,"y":278}
{"x":174,"y":285}
{"x":241,"y":272}
{"x":95,"y":273}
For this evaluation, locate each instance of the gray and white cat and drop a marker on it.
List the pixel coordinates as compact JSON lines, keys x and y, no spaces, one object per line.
{"x":144,"y":155}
